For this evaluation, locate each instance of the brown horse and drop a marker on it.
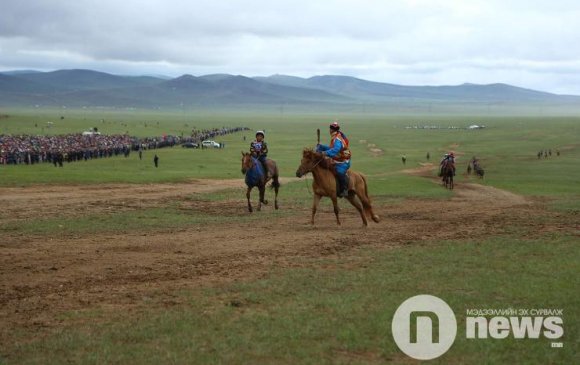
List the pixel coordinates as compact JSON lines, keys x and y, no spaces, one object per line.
{"x":257,"y":177}
{"x":325,"y":185}
{"x":447,"y":175}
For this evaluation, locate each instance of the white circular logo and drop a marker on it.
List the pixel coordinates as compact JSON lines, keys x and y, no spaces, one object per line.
{"x":424,"y":327}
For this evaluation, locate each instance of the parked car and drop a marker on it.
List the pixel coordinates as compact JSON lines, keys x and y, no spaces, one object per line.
{"x":210,"y":144}
{"x":190,"y":145}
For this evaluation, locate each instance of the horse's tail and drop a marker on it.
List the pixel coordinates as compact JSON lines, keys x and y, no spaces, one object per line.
{"x":275,"y":178}
{"x":275,"y":182}
{"x":366,"y":201}
{"x":364,"y":179}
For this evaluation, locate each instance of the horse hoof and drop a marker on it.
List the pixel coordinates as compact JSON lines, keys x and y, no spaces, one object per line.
{"x":376,"y":218}
{"x":265,"y":202}
{"x":276,"y":205}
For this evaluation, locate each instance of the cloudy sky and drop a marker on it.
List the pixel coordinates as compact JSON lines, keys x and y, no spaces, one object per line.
{"x":528,"y":43}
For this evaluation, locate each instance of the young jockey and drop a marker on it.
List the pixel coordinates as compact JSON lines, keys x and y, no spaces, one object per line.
{"x":259,"y":149}
{"x":447,"y":158}
{"x":340,"y":153}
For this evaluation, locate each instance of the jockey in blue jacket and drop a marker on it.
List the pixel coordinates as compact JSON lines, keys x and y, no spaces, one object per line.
{"x":339,"y":152}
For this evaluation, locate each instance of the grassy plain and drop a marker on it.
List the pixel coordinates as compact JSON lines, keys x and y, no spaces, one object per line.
{"x":329,"y":310}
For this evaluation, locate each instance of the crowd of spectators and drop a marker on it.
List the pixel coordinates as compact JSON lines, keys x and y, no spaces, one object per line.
{"x":29,"y":150}
{"x":26,"y":149}
{"x":198,"y":136}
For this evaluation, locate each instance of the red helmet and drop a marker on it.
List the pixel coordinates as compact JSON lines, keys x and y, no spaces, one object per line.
{"x":335,"y":126}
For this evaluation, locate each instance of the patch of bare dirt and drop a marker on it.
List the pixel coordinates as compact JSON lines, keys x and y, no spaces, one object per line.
{"x":425,"y":169}
{"x":57,"y":200}
{"x":43,"y":277}
{"x":488,"y":195}
{"x":373,"y":149}
{"x":376,"y":152}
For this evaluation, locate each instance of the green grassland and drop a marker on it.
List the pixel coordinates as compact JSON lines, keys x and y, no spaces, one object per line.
{"x":507,"y":147}
{"x":314,"y":315}
{"x":342,"y":315}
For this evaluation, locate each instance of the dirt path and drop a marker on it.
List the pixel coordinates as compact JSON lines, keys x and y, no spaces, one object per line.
{"x":54,"y":200}
{"x":471,"y":192}
{"x":43,"y":277}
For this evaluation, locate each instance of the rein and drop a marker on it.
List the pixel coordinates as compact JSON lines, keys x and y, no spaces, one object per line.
{"x":316,"y":164}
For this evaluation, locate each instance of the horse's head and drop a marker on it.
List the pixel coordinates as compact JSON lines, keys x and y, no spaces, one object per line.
{"x":310,"y":159}
{"x":247,"y":162}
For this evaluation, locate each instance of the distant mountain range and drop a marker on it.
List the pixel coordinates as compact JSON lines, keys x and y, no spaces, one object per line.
{"x":87,"y":88}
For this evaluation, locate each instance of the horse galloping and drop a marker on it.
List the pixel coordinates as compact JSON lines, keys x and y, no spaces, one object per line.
{"x":324,"y":184}
{"x":447,"y":175}
{"x":257,"y":177}
{"x":478,"y":169}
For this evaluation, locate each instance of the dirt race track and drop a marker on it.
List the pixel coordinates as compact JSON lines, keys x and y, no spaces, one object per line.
{"x":43,"y":276}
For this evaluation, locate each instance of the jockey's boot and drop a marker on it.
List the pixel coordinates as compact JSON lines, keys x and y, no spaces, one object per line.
{"x":342,"y":186}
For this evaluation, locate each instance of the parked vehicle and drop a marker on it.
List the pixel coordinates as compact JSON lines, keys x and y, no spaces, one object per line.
{"x":190,"y":145}
{"x":210,"y":144}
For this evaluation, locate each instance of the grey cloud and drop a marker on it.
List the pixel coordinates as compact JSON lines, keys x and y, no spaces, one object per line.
{"x":437,"y":41}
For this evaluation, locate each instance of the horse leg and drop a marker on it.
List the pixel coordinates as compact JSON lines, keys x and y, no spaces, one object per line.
{"x":276,"y":185}
{"x":368,"y":209}
{"x":262,"y":193}
{"x":249,"y":202}
{"x":315,"y":202}
{"x":355,"y":203}
{"x":336,"y":209}
{"x":361,"y":190}
{"x":261,"y":200}
{"x":273,"y":167}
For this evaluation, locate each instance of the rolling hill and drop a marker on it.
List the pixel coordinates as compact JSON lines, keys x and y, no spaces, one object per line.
{"x":87,"y":88}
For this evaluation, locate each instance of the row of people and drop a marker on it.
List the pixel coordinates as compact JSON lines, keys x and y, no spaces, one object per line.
{"x":27,"y":149}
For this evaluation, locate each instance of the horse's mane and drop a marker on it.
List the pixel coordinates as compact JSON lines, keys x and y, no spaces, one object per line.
{"x":314,"y":156}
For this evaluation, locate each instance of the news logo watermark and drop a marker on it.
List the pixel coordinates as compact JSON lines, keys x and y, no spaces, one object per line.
{"x":517,"y":323}
{"x":424,"y":326}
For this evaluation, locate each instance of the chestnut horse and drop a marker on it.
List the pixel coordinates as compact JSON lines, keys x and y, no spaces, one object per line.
{"x":324,"y":184}
{"x":256,"y":176}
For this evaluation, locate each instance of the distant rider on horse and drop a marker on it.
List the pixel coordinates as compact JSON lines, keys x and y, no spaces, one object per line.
{"x":448,"y":158}
{"x":259,"y":150}
{"x":340,"y":154}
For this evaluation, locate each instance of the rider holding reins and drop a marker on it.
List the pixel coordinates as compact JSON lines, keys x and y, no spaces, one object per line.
{"x":339,"y":152}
